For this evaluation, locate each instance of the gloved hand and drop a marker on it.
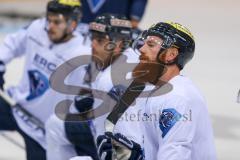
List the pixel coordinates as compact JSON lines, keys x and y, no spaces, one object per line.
{"x":104,"y":147}
{"x":116,"y":146}
{"x":2,"y":71}
{"x":83,"y":102}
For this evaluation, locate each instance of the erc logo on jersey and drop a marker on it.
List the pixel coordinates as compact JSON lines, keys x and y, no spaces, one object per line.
{"x":168,"y":119}
{"x":41,"y":62}
{"x":38,"y":84}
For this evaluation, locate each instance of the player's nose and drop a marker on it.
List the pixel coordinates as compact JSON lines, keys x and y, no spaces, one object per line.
{"x":143,"y":49}
{"x":50,"y":25}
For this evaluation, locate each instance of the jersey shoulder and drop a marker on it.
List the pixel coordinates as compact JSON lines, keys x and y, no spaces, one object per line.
{"x":182,"y":95}
{"x":36,"y":32}
{"x":36,"y":26}
{"x":74,"y":49}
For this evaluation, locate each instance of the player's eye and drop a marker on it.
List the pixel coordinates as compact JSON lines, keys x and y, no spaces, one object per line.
{"x":151,"y":44}
{"x":98,"y":39}
{"x":55,"y":22}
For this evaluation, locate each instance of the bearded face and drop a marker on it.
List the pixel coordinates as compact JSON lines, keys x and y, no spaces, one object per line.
{"x":149,"y":69}
{"x":148,"y":72}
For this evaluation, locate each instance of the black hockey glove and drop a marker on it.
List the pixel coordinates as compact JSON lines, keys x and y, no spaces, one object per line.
{"x":2,"y":71}
{"x":116,"y":146}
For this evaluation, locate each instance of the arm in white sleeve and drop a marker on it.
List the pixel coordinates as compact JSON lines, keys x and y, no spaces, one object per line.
{"x":177,"y":130}
{"x":13,"y":46}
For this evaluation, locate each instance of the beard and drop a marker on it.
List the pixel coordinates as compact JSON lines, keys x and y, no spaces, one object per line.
{"x":148,"y":71}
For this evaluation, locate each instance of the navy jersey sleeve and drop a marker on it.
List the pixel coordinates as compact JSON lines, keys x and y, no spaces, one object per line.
{"x":137,"y":9}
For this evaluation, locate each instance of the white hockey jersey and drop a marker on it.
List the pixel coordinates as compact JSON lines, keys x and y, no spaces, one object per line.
{"x":112,"y":83}
{"x":177,"y":126}
{"x":59,"y":146}
{"x":42,"y":57}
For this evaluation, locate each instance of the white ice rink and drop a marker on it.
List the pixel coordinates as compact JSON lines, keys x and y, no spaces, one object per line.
{"x":215,"y":68}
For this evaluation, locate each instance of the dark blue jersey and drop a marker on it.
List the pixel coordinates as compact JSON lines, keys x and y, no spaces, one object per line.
{"x":130,"y":8}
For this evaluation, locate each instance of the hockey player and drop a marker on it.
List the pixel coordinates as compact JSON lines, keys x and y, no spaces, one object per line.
{"x":46,"y":43}
{"x":110,"y":39}
{"x":175,"y":125}
{"x":133,"y":10}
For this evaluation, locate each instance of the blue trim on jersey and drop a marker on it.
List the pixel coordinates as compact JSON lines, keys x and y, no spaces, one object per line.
{"x":168,"y":119}
{"x":95,"y":5}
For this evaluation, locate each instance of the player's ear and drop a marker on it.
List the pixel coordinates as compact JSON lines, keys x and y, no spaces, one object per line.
{"x":73,"y":25}
{"x":171,"y":54}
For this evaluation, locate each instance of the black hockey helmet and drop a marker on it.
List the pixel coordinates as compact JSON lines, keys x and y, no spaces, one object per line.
{"x":173,"y":35}
{"x":69,"y":8}
{"x":114,"y":26}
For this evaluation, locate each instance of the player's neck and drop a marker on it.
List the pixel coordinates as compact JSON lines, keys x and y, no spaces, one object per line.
{"x":64,"y":39}
{"x":171,"y":72}
{"x":67,"y":38}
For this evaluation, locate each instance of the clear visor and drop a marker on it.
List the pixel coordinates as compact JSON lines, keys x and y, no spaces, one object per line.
{"x":143,"y":39}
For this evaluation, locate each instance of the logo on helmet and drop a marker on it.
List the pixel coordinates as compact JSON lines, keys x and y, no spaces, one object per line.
{"x":97,"y":27}
{"x":121,"y":23}
{"x":71,"y":3}
{"x":181,"y":28}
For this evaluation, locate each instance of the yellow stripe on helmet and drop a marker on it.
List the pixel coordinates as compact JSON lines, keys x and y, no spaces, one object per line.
{"x":72,"y":3}
{"x":181,"y":28}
